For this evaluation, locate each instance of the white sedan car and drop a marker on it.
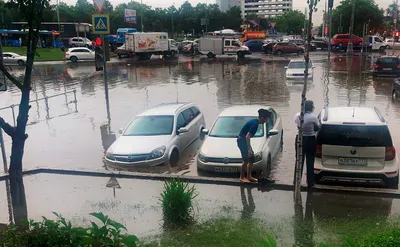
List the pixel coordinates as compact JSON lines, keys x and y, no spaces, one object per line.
{"x":296,"y":67}
{"x":80,"y":53}
{"x":14,"y":58}
{"x":389,"y":44}
{"x":220,"y":153}
{"x":156,"y":136}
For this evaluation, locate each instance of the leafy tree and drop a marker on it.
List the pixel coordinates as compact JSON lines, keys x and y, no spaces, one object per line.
{"x":291,"y":22}
{"x":366,"y":11}
{"x":33,"y":11}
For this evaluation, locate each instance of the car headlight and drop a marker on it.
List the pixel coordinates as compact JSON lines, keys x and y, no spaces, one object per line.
{"x":258,"y":157}
{"x":202,"y":157}
{"x":157,"y":153}
{"x":110,"y":155}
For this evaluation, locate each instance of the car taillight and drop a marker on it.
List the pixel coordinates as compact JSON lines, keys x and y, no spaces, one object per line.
{"x":66,"y":54}
{"x":398,"y":66}
{"x":318,"y":151}
{"x":390,"y":153}
{"x":376,"y":66}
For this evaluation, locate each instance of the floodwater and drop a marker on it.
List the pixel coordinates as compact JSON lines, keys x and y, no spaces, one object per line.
{"x":61,"y":137}
{"x":321,"y":217}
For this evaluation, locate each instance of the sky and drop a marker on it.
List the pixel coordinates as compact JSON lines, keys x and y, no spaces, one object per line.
{"x":297,"y":5}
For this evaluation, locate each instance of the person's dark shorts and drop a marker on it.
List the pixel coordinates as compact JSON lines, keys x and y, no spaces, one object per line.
{"x":244,"y":151}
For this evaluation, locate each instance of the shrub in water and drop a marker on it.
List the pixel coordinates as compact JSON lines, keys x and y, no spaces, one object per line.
{"x":177,"y":202}
{"x":49,"y":233}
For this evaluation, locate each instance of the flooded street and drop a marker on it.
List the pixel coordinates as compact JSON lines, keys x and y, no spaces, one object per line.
{"x":60,"y":137}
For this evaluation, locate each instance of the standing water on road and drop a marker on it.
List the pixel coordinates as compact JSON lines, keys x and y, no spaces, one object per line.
{"x":71,"y":140}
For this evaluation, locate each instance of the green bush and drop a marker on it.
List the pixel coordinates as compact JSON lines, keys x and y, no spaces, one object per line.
{"x":177,"y":203}
{"x":60,"y":233}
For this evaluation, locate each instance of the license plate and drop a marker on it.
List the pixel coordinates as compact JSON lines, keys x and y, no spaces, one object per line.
{"x":387,"y":68}
{"x":226,"y":169}
{"x":353,"y":161}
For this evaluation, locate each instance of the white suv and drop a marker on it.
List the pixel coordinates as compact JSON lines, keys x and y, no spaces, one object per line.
{"x":354,"y":145}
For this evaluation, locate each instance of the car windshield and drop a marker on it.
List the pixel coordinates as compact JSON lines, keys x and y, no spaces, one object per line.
{"x":299,"y":65}
{"x":229,"y":127}
{"x":349,"y":135}
{"x":150,"y":126}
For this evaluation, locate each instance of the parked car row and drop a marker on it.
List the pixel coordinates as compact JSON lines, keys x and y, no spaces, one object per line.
{"x":353,"y":144}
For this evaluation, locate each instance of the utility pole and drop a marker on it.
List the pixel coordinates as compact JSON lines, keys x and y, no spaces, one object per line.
{"x":395,"y":15}
{"x":330,"y":6}
{"x":350,"y":44}
{"x":305,"y":21}
{"x":325,"y":22}
{"x":58,"y":16}
{"x":141,"y":18}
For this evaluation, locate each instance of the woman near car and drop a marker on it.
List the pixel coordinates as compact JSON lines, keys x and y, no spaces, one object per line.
{"x":310,"y":128}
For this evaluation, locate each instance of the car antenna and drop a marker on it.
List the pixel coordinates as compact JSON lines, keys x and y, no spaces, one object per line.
{"x":353,"y":111}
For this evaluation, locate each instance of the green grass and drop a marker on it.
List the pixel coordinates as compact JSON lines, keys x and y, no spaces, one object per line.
{"x":221,"y":232}
{"x":45,"y":54}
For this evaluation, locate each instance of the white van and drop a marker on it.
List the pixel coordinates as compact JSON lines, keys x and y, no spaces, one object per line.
{"x":374,"y":43}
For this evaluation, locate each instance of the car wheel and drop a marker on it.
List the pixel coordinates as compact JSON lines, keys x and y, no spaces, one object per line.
{"x":394,"y":95}
{"x":210,"y":55}
{"x":202,"y":135}
{"x":174,"y":157}
{"x":382,"y":48}
{"x":278,"y":52}
{"x":393,"y":183}
{"x":74,"y":59}
{"x":240,"y":54}
{"x":21,"y":63}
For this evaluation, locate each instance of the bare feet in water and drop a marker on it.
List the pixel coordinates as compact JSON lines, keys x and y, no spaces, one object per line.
{"x":251,"y":179}
{"x":244,"y":180}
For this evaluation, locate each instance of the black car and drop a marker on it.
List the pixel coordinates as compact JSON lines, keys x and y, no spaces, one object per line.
{"x":396,"y":89}
{"x":387,"y":66}
{"x":267,"y":48}
{"x":320,"y":44}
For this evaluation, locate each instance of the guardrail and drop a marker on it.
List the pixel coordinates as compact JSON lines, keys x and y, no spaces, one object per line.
{"x":46,"y":100}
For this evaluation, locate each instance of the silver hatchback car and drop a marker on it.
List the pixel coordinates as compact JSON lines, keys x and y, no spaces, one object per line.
{"x":157,"y":136}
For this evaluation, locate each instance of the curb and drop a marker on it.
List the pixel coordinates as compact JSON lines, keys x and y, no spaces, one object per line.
{"x":388,"y":193}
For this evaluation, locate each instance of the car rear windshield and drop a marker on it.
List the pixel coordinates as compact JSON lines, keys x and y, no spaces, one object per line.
{"x":387,"y":60}
{"x":150,"y":126}
{"x":230,"y":127}
{"x":299,"y":65}
{"x":354,"y":135}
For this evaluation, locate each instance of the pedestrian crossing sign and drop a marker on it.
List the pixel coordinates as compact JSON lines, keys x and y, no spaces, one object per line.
{"x":101,"y":23}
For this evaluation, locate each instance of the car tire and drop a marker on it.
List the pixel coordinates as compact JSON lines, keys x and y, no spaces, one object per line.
{"x":21,"y":62}
{"x":73,"y":59}
{"x":210,"y":55}
{"x":393,"y":183}
{"x":202,"y":135}
{"x":382,"y":49}
{"x":394,"y":95}
{"x":174,"y":158}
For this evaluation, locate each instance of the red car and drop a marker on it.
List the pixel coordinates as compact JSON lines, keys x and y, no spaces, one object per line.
{"x":343,"y":39}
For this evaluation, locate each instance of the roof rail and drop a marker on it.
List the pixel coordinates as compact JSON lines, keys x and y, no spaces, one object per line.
{"x":325,"y":114}
{"x":379,"y":115}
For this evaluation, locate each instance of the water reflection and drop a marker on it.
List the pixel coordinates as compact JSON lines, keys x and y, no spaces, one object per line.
{"x":304,"y":222}
{"x":248,"y":203}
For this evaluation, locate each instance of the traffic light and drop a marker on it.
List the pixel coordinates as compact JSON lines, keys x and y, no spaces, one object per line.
{"x":98,"y":59}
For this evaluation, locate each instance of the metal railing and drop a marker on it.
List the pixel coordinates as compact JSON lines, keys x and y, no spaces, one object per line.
{"x":46,"y":100}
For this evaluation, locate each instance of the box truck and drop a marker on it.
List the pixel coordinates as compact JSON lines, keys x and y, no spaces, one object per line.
{"x":144,"y":45}
{"x":220,"y":46}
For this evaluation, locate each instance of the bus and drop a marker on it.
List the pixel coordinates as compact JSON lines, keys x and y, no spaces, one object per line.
{"x":17,"y":38}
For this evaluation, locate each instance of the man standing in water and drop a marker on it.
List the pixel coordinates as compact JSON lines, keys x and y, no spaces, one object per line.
{"x":243,"y":142}
{"x":310,"y":128}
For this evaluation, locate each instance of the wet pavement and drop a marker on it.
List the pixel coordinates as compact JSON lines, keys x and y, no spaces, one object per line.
{"x":60,"y":137}
{"x":136,"y":204}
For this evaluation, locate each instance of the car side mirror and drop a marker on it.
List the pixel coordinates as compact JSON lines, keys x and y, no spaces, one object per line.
{"x":183,"y":130}
{"x":121,"y":130}
{"x":204,"y":131}
{"x":273,"y":132}
{"x":286,"y":67}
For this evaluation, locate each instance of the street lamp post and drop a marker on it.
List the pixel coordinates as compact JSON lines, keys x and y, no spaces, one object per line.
{"x":350,"y":44}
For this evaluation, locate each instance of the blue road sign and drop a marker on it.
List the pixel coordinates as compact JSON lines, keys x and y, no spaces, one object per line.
{"x":101,"y":23}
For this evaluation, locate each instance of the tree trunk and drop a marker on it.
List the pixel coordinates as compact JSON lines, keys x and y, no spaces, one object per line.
{"x":299,"y":157}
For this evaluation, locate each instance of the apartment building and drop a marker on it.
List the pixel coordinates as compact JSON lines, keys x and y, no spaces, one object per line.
{"x":225,"y":5}
{"x":265,"y":8}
